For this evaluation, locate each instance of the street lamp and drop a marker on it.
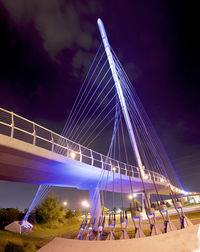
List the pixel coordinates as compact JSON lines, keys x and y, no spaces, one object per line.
{"x":131,"y":196}
{"x":65,"y":203}
{"x":86,"y":205}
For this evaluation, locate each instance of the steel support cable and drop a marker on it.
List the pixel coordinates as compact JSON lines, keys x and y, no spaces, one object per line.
{"x":35,"y":201}
{"x":152,"y":152}
{"x":97,"y":134}
{"x":74,"y":118}
{"x":146,"y":136}
{"x":143,"y":154}
{"x":80,"y":99}
{"x":110,"y":148}
{"x":114,"y":142}
{"x":109,"y":122}
{"x":39,"y":195}
{"x":101,"y":179}
{"x":93,"y":106}
{"x":141,"y":179}
{"x":70,"y":115}
{"x":93,"y":124}
{"x":145,"y":142}
{"x":143,"y":123}
{"x":94,"y":103}
{"x":151,"y":128}
{"x":98,"y":117}
{"x":46,"y":192}
{"x":73,"y":107}
{"x":139,"y":116}
{"x":116,"y":124}
{"x":87,"y":104}
{"x":32,"y":204}
{"x":163,"y":161}
{"x":159,"y":142}
{"x":119,"y":156}
{"x":89,"y":119}
{"x":119,"y":151}
{"x":126,"y":155}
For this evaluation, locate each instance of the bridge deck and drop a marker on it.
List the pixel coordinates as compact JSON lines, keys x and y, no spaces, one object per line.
{"x":28,"y":154}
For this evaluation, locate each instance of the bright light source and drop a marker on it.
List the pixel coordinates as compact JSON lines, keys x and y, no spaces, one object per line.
{"x":185,"y":193}
{"x":131,"y":196}
{"x":72,"y":154}
{"x":161,"y":180}
{"x":114,"y":169}
{"x":65,"y":203}
{"x":85,"y":204}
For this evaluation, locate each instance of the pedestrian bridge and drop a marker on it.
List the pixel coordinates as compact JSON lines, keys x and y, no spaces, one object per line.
{"x":33,"y":154}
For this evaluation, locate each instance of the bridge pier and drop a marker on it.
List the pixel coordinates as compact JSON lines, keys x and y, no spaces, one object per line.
{"x":95,"y":203}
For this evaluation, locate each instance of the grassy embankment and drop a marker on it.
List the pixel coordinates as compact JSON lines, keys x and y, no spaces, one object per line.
{"x":42,"y":234}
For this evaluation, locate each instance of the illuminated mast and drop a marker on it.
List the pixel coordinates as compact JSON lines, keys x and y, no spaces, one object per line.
{"x":120,"y":94}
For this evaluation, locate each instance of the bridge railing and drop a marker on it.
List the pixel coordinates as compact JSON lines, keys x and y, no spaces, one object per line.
{"x":25,"y":130}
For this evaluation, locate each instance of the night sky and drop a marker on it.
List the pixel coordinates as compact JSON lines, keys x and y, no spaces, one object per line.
{"x":46,"y":48}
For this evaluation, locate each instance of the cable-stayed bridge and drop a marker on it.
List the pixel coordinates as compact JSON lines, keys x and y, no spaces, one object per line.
{"x":106,"y":110}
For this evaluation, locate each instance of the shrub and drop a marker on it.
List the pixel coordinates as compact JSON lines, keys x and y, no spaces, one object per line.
{"x":168,"y":204}
{"x":69,"y":214}
{"x":11,"y":247}
{"x":8,"y":215}
{"x":77,"y":212}
{"x":50,"y":210}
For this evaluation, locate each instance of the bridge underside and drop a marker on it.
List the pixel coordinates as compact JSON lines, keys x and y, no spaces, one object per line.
{"x":23,"y":162}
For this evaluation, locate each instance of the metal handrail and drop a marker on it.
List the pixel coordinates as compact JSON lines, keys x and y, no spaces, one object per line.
{"x":105,"y":161}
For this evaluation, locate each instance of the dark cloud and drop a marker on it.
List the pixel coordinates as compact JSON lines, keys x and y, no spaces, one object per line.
{"x":60,"y":24}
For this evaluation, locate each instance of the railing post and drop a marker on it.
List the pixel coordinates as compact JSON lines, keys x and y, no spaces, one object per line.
{"x":92,"y":158}
{"x":34,"y":134}
{"x":118,"y":167}
{"x":52,"y":142}
{"x":125,"y":168}
{"x":80,"y":152}
{"x":12,"y":125}
{"x":67,"y":149}
{"x":101,"y":161}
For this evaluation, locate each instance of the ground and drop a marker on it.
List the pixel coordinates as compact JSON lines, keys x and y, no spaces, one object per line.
{"x":42,"y":234}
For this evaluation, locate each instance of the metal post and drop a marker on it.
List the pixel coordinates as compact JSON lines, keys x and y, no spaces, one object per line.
{"x":12,"y":125}
{"x":34,"y":134}
{"x":92,"y":158}
{"x":52,"y":142}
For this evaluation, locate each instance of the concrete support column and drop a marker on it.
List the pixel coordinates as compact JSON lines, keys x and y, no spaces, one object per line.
{"x":95,"y":203}
{"x":144,"y":216}
{"x":148,"y":195}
